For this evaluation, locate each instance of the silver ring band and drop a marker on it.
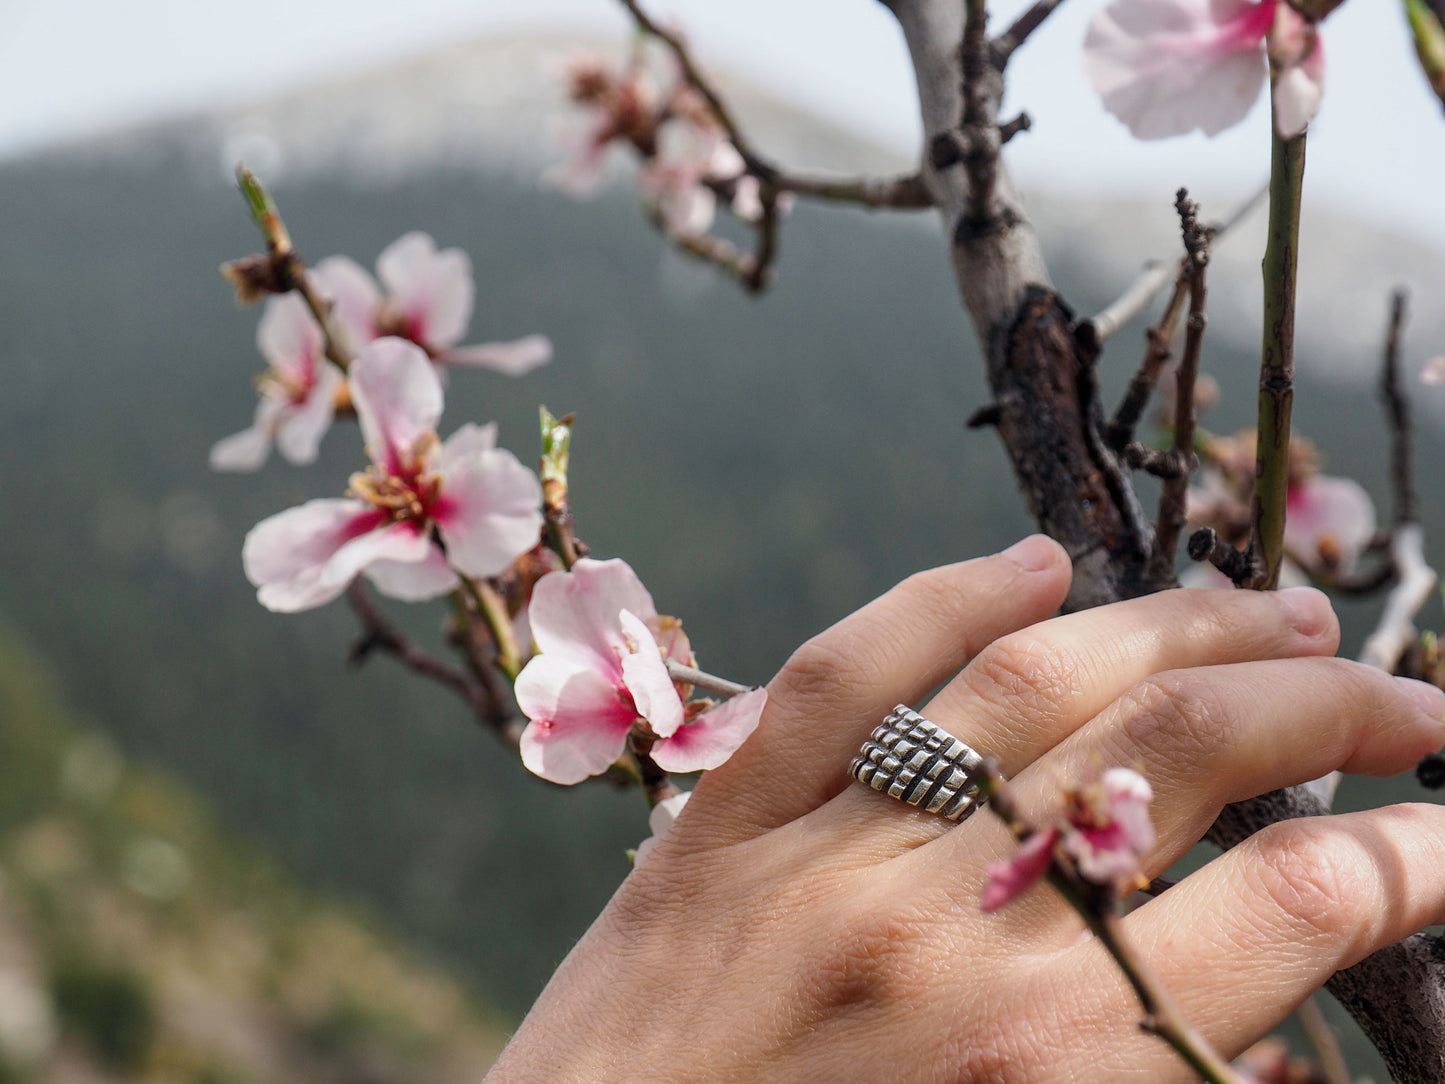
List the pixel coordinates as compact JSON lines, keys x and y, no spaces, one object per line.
{"x":918,"y":762}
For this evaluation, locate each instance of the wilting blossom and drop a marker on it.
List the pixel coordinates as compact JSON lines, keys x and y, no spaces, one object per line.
{"x":601,"y":675}
{"x":1104,"y":829}
{"x":663,"y":814}
{"x":297,"y":393}
{"x":424,"y":296}
{"x":1166,"y":67}
{"x":424,"y":511}
{"x":1328,"y":523}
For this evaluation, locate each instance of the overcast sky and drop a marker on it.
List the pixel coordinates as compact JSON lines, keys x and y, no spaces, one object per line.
{"x":70,"y":67}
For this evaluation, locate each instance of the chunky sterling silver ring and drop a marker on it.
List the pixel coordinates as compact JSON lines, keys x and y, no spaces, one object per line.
{"x":909,"y":758}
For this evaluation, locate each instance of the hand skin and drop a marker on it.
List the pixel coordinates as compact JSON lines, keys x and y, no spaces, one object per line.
{"x":796,"y":926}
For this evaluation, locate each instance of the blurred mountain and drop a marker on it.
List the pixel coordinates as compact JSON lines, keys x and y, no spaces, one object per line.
{"x":137,"y":943}
{"x":766,"y":465}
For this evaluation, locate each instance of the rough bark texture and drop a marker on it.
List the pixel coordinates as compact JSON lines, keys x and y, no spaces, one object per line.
{"x":1048,"y":417}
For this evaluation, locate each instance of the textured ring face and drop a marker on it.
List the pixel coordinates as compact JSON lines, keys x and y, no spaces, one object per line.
{"x":916,"y":761}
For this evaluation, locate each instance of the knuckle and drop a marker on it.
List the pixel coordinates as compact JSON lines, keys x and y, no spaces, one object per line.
{"x":815,"y":669}
{"x":872,"y":959}
{"x":1021,"y":673}
{"x":1304,"y":876}
{"x":1172,"y":717}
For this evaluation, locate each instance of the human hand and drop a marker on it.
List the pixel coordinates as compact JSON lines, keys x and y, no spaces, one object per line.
{"x":794,"y":925}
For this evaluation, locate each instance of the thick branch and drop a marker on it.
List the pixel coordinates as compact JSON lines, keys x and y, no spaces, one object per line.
{"x":1398,"y":995}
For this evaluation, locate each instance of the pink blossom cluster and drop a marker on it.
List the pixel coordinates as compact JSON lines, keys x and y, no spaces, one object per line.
{"x":687,"y":161}
{"x":1168,"y":67}
{"x":428,"y":301}
{"x":427,"y":514}
{"x":600,"y":679}
{"x":1103,"y":829}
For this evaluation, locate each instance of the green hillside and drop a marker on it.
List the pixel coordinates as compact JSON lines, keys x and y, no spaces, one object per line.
{"x":765,"y":465}
{"x":139,"y":943}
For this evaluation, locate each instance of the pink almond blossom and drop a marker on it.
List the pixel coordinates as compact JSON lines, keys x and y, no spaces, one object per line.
{"x":424,"y":511}
{"x":428,"y":300}
{"x":1104,"y":828}
{"x":297,"y":392}
{"x":1166,"y":67}
{"x":664,"y":814}
{"x":1328,"y":523}
{"x":600,"y":674}
{"x":618,"y":107}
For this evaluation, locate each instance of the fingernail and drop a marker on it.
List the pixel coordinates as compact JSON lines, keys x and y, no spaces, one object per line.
{"x":1034,"y":554}
{"x":1429,"y":699}
{"x":1308,"y":610}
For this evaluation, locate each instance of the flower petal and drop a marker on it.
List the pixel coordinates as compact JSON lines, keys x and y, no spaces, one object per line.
{"x":512,"y":358}
{"x":574,"y":614}
{"x":413,"y":581}
{"x":398,"y":399}
{"x":289,"y":339}
{"x":713,"y":736}
{"x":248,"y":449}
{"x":469,"y":441}
{"x":579,"y":722}
{"x":1328,"y":522}
{"x":490,"y":511}
{"x":664,"y":814}
{"x":1165,"y":67}
{"x":1007,"y":880}
{"x":354,"y":298}
{"x":298,"y":437}
{"x":1298,"y":91}
{"x":286,"y":555}
{"x":1433,"y":371}
{"x":647,"y":679}
{"x":432,"y":289}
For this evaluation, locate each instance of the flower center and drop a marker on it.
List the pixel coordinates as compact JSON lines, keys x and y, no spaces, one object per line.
{"x":391,"y":320}
{"x":408,"y":493}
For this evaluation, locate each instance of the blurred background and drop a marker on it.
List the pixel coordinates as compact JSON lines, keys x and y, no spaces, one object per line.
{"x":226,"y":857}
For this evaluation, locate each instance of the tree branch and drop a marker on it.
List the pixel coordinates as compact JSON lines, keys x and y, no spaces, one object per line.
{"x":487,"y":704}
{"x":1004,"y":45}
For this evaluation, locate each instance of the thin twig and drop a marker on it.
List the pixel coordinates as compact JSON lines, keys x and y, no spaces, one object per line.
{"x":379,"y":634}
{"x":703,"y":680}
{"x":1005,"y":44}
{"x":1328,"y":1053}
{"x":1157,"y":275}
{"x":1097,"y":905}
{"x":1173,"y":495}
{"x":287,"y":267}
{"x":1397,"y":411}
{"x":1159,"y":340}
{"x":907,"y":192}
{"x":1396,"y":629}
{"x":1206,"y":545}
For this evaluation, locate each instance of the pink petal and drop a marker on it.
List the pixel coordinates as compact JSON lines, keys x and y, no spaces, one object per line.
{"x":574,"y":614}
{"x":414,"y":581}
{"x":1007,"y":880}
{"x":1433,"y":371}
{"x":1129,"y":796}
{"x":490,"y":512}
{"x":398,"y":399}
{"x":354,"y":298}
{"x":689,"y":211}
{"x":432,"y":289}
{"x":288,"y":338}
{"x":664,"y":814}
{"x":286,"y":556}
{"x":248,"y":449}
{"x":1165,"y":67}
{"x":400,"y":542}
{"x":1334,"y":512}
{"x":647,"y":679}
{"x":579,"y":722}
{"x":1298,"y":91}
{"x":468,"y":442}
{"x":713,"y":736}
{"x":512,"y":358}
{"x":298,"y":437}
